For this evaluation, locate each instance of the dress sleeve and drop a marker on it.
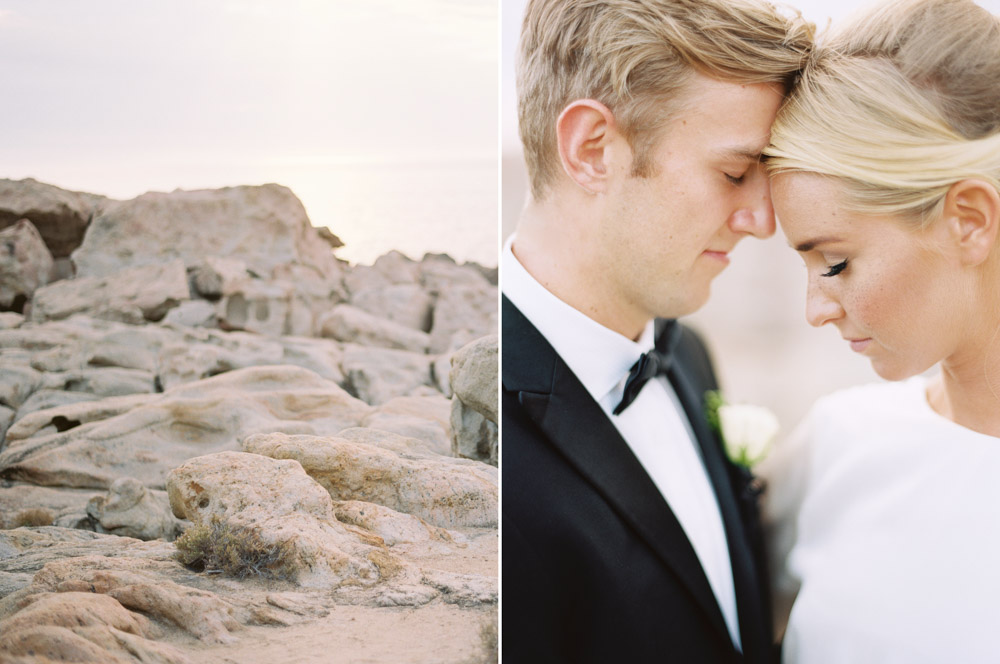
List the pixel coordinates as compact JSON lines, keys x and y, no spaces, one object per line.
{"x":786,"y":471}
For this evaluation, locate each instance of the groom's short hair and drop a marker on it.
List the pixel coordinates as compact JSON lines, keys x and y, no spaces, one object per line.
{"x":635,"y":56}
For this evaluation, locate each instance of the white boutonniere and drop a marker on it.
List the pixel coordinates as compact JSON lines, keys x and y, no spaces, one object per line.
{"x":747,"y":431}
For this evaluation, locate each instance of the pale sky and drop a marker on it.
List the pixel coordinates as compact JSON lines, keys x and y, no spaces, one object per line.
{"x":256,"y":79}
{"x":120,"y":97}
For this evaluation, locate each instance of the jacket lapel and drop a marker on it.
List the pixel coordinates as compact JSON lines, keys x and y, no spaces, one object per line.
{"x":753,"y":632}
{"x":580,"y":431}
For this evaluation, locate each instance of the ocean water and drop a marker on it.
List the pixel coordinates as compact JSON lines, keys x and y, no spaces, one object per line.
{"x":446,"y":207}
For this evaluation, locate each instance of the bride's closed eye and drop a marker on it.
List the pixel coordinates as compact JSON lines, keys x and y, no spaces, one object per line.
{"x":836,"y":269}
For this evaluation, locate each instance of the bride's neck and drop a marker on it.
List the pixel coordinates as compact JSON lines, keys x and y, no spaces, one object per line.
{"x":968,"y":390}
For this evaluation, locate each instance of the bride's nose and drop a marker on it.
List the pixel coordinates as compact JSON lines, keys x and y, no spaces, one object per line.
{"x":821,"y":308}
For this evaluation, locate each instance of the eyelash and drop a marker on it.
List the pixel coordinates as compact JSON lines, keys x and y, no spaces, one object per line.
{"x":735,"y":180}
{"x":836,"y":269}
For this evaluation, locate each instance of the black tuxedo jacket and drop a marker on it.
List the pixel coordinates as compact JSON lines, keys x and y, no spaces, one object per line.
{"x":596,"y":567}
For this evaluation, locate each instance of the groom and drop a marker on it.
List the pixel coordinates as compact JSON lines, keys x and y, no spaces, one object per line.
{"x":627,"y":535}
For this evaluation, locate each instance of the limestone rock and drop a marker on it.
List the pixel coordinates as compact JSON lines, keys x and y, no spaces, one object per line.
{"x":406,"y":446}
{"x":263,"y":226}
{"x":348,"y":323}
{"x":463,"y":589}
{"x":474,"y":376}
{"x":423,"y":417}
{"x":45,"y":399}
{"x":443,"y":491}
{"x":60,"y":216}
{"x":377,"y":375}
{"x":134,"y":295}
{"x":439,"y":273}
{"x":6,"y":419}
{"x":82,"y":627}
{"x":131,"y":510}
{"x":189,"y":420}
{"x":17,"y":382}
{"x":107,"y":382}
{"x":473,"y":436}
{"x":10,"y":320}
{"x":25,"y":265}
{"x":32,"y":549}
{"x":392,"y":526}
{"x":282,"y":504}
{"x":406,"y":304}
{"x":26,"y":505}
{"x":215,"y":276}
{"x":194,"y":313}
{"x":463,"y":313}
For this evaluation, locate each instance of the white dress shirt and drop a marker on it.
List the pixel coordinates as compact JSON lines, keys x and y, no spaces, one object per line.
{"x":654,"y":425}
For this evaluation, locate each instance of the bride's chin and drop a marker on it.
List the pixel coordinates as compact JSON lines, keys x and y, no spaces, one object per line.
{"x":897,"y":372}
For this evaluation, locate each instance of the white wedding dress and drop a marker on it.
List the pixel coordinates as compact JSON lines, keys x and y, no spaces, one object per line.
{"x":884,"y":525}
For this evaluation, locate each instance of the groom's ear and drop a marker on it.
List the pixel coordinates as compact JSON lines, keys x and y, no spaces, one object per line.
{"x":585,"y":130}
{"x":972,"y":209}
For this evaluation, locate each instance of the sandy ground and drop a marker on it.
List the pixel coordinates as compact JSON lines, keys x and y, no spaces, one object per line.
{"x":429,"y":634}
{"x":350,"y":634}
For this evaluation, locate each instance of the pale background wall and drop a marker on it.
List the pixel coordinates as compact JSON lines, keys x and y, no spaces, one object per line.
{"x":755,"y":324}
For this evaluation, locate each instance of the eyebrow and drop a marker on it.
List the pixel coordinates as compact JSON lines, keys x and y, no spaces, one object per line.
{"x":812,"y":244}
{"x":748,"y":153}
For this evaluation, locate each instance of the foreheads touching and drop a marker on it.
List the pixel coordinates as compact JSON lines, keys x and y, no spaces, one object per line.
{"x":634,"y":58}
{"x":899,"y":106}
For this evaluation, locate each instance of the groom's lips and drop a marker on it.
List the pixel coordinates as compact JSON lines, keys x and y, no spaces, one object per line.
{"x":722,"y":256}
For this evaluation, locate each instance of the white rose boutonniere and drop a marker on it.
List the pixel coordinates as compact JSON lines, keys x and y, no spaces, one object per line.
{"x":747,"y":431}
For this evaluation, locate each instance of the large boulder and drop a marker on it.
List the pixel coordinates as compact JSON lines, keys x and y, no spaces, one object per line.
{"x":25,"y":265}
{"x":474,"y":375}
{"x":463,"y":313}
{"x":131,"y":510}
{"x":60,"y":216}
{"x":407,"y":304}
{"x":377,"y":375}
{"x":133,"y":295}
{"x":280,"y":504}
{"x":351,"y":324}
{"x":474,"y":407}
{"x":263,"y":226}
{"x":160,"y":433}
{"x":443,"y":491}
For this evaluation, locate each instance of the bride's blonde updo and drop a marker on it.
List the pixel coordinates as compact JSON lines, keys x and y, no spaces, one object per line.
{"x":899,"y":104}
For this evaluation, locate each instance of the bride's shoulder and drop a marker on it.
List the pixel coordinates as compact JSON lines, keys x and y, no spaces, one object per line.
{"x":863,"y":405}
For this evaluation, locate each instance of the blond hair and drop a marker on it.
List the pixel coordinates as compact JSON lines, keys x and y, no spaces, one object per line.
{"x":899,"y":105}
{"x":635,"y":56}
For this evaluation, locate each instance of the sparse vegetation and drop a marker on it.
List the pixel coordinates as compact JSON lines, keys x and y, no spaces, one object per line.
{"x":236,"y":551}
{"x":33,"y":517}
{"x":489,"y":643}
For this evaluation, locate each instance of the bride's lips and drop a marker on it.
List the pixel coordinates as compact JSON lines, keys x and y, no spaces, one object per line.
{"x":859,"y":345}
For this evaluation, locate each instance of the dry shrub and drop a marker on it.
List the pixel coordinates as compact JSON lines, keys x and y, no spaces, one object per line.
{"x":489,"y":640}
{"x":33,"y":517}
{"x":489,"y":643}
{"x":237,"y":551}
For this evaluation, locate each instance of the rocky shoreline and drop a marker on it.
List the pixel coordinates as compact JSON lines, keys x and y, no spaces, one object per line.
{"x":216,"y":438}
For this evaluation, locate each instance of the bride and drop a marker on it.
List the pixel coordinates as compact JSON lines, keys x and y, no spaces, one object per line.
{"x":883,"y":511}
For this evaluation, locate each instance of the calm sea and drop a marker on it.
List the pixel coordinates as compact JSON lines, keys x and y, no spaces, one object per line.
{"x":448,"y":207}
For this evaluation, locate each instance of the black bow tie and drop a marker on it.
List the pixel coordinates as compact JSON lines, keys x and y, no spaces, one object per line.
{"x":654,"y":363}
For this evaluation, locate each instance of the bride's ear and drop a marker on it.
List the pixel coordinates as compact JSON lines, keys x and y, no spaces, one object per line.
{"x":972,"y":211}
{"x":585,"y":132}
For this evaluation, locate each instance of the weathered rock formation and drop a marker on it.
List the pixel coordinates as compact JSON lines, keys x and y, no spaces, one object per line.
{"x":206,"y":363}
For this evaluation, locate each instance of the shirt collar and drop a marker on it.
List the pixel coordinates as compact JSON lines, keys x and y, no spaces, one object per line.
{"x":599,"y":357}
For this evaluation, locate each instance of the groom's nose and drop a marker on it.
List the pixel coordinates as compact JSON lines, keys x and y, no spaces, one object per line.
{"x":756,"y":216}
{"x":820,"y":307}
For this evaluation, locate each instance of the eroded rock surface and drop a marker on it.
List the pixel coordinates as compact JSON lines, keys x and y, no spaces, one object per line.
{"x":190,"y":326}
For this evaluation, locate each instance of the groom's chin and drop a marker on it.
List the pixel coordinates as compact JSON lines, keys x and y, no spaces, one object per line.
{"x":691,"y":302}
